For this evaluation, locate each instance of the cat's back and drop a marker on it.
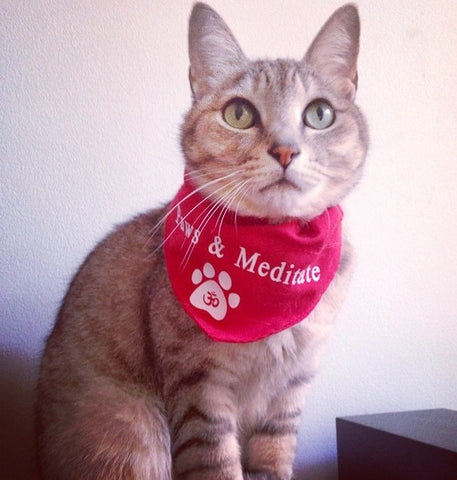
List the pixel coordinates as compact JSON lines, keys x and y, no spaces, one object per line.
{"x":102,"y":322}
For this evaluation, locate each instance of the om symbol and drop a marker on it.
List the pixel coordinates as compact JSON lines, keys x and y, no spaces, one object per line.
{"x":210,"y":299}
{"x":212,"y":291}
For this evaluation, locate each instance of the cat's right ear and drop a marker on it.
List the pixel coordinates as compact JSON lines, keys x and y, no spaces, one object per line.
{"x":213,"y":51}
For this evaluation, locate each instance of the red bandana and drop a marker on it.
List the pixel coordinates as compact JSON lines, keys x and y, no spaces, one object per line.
{"x":242,"y":279}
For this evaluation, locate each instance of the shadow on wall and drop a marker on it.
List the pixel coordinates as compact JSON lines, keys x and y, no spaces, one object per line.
{"x":17,"y":390}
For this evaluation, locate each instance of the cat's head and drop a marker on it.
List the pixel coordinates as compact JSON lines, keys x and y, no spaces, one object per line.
{"x":274,"y":138}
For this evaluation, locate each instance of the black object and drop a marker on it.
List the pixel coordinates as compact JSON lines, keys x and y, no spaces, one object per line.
{"x":415,"y":445}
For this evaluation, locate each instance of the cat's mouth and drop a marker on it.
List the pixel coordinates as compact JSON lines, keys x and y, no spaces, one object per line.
{"x":281,"y":184}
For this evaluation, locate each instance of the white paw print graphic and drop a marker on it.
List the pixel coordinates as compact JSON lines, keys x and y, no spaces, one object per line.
{"x":213,"y":295}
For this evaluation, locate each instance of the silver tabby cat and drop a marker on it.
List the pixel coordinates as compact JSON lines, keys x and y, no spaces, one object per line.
{"x":130,"y":387}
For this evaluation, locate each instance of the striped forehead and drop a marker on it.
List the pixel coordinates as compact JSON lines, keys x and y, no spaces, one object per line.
{"x":279,"y":91}
{"x":280,"y":76}
{"x":275,"y":83}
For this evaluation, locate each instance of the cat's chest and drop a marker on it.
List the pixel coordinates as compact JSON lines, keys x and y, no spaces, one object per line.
{"x":266,"y":373}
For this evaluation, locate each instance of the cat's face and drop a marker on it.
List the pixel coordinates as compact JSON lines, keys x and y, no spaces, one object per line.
{"x":274,"y":139}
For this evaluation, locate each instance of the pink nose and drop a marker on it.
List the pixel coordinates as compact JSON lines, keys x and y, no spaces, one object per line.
{"x":284,"y":154}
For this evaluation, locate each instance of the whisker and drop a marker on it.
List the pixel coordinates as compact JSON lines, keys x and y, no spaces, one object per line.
{"x":208,"y":213}
{"x":196,"y":190}
{"x":191,"y":210}
{"x":203,"y":173}
{"x":243,"y":194}
{"x":234,"y":195}
{"x":325,"y":171}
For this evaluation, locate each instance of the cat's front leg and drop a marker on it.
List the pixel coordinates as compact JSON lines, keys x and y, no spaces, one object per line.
{"x":271,"y":453}
{"x":204,"y":430}
{"x":270,"y":450}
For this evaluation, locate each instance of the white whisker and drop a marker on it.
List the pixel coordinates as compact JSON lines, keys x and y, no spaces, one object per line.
{"x":177,"y":226}
{"x":208,"y":214}
{"x":239,"y":189}
{"x":196,"y":190}
{"x":243,"y":194}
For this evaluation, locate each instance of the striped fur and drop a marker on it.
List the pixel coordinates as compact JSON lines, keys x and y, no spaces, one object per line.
{"x":130,"y":387}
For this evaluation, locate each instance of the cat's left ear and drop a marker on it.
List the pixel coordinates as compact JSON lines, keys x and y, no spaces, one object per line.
{"x":214,"y":53}
{"x":333,"y":53}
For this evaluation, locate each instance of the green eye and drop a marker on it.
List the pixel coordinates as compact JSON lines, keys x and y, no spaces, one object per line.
{"x":240,"y":114}
{"x":319,"y":115}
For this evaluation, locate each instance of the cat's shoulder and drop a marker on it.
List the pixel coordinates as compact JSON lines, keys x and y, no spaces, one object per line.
{"x":131,"y":245}
{"x":146,"y":226}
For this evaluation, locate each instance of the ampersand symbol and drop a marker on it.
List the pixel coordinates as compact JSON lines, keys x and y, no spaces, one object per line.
{"x":216,"y":247}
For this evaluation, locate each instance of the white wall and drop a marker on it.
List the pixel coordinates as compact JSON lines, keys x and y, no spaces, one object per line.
{"x":92,"y":96}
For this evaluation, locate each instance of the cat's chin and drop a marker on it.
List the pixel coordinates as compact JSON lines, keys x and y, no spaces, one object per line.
{"x":281,"y":202}
{"x":282,"y":186}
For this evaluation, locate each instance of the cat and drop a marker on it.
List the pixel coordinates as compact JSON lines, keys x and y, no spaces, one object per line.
{"x":155,"y":369}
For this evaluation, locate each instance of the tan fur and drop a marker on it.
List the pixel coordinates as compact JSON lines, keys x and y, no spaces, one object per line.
{"x":130,"y":387}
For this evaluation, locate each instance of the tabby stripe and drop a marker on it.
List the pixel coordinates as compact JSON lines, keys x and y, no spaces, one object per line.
{"x":298,"y":381}
{"x":190,"y":379}
{"x":218,"y":425}
{"x":194,"y":377}
{"x":218,"y":467}
{"x":274,"y":429}
{"x":258,"y":474}
{"x":292,"y":415}
{"x":194,"y":442}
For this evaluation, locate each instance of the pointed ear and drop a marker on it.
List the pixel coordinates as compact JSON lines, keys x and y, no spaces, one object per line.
{"x":333,"y":53}
{"x":213,"y":51}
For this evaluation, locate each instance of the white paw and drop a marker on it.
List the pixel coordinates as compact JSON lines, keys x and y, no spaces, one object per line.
{"x":213,"y":294}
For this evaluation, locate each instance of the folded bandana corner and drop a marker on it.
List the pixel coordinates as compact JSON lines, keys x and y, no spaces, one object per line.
{"x":242,"y":279}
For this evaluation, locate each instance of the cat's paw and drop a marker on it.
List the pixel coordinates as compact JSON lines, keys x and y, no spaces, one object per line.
{"x":259,"y":476}
{"x":213,"y":294}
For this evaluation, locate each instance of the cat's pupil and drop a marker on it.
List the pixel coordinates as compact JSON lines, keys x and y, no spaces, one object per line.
{"x":320,"y":113}
{"x":239,"y":111}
